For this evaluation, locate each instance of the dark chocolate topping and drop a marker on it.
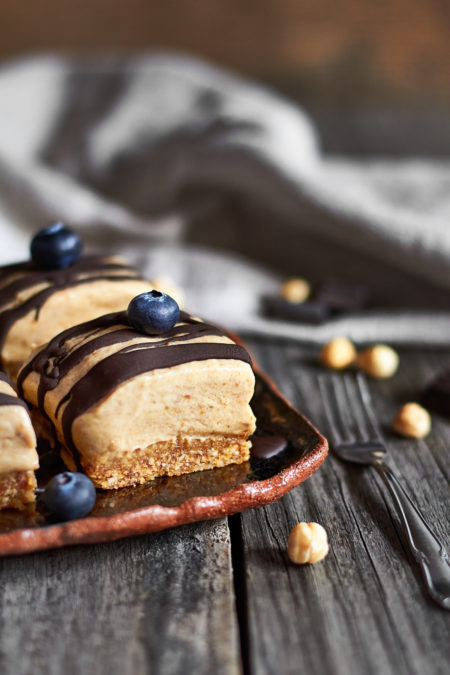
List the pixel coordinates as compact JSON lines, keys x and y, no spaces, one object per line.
{"x":9,"y":399}
{"x":100,"y":269}
{"x":264,"y":447}
{"x":85,"y":264}
{"x":333,"y":297}
{"x":56,"y":360}
{"x":129,"y":362}
{"x":305,"y":312}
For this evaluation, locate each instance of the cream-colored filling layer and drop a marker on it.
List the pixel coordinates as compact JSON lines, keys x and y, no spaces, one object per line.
{"x":17,"y":437}
{"x":199,"y":398}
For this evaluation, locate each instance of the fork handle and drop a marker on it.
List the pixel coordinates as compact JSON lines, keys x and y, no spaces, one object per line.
{"x":426,"y":548}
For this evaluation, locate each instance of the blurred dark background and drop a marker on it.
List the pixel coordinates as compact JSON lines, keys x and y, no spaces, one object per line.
{"x":371,"y":73}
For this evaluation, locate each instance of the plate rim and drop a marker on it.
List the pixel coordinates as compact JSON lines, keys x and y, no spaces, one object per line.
{"x":155,"y":517}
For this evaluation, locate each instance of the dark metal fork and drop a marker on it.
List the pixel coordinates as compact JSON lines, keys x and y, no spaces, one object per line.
{"x":356,"y":437}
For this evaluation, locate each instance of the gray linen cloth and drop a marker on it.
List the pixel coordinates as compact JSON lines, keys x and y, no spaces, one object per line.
{"x":220,"y":184}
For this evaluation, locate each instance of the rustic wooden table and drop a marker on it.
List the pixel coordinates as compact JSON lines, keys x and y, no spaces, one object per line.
{"x":222,"y":597}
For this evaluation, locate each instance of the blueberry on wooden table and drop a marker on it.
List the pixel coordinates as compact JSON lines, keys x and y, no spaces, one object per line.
{"x":153,"y":313}
{"x":69,"y":495}
{"x":55,"y":247}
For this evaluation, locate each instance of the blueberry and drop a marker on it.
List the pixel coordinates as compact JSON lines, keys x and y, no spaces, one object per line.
{"x":55,"y":247}
{"x":69,"y":495}
{"x":153,"y":312}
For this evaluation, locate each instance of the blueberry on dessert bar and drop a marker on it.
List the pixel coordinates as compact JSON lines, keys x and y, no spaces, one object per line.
{"x":18,"y":456}
{"x":144,"y":393}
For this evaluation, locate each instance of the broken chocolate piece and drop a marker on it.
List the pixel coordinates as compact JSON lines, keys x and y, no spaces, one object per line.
{"x":266,"y":446}
{"x":305,"y":312}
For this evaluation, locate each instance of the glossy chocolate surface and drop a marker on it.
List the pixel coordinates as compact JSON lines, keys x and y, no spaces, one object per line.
{"x":332,"y":298}
{"x":312,"y":313}
{"x":9,"y":399}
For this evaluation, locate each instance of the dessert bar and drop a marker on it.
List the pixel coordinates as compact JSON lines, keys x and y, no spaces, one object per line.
{"x":18,"y":456}
{"x":128,"y":406}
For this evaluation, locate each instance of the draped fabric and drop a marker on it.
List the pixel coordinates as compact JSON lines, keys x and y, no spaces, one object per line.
{"x":219,"y":183}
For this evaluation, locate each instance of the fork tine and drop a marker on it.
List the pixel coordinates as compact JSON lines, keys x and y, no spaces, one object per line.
{"x":332,"y":419}
{"x":360,"y":402}
{"x":344,"y":408}
{"x":367,"y":405}
{"x":357,"y":406}
{"x":336,"y":408}
{"x":348,"y":408}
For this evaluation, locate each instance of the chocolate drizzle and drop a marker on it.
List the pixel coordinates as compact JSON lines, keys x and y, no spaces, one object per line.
{"x":95,"y":267}
{"x":129,"y":362}
{"x":9,"y":399}
{"x":57,"y":359}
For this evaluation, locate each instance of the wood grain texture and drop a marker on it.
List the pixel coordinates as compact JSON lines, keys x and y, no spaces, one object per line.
{"x":166,"y":604}
{"x":159,"y":603}
{"x":362,"y":610}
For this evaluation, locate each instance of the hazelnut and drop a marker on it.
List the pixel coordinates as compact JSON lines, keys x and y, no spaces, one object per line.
{"x":339,"y":353}
{"x":166,"y":285}
{"x":412,"y":420}
{"x":378,"y":361}
{"x":308,"y":543}
{"x":295,"y":290}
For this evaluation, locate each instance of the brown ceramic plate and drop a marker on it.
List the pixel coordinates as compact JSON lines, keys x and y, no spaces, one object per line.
{"x":168,"y":502}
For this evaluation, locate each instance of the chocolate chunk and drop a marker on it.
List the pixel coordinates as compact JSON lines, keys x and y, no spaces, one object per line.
{"x":305,"y":312}
{"x":436,"y":396}
{"x":342,"y":297}
{"x":264,"y":447}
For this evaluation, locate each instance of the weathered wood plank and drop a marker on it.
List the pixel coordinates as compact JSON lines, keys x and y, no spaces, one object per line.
{"x":160,"y":603}
{"x":362,"y":610}
{"x":164,"y":603}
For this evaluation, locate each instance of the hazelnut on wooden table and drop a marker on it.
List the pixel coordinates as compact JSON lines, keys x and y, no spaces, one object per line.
{"x":378,"y":361}
{"x":412,"y":420}
{"x":339,"y":353}
{"x":295,"y":290}
{"x":308,"y":543}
